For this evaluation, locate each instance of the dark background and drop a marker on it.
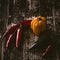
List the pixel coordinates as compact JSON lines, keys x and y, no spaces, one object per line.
{"x":14,"y":11}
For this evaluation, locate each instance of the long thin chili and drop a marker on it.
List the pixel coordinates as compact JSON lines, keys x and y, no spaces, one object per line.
{"x":8,"y":31}
{"x":9,"y":39}
{"x":18,"y":37}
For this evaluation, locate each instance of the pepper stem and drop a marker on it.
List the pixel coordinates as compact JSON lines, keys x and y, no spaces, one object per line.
{"x":21,"y":26}
{"x":39,"y":19}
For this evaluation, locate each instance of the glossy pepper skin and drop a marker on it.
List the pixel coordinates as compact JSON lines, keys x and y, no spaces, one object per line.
{"x":18,"y":37}
{"x":10,"y":30}
{"x":9,"y":39}
{"x":38,"y":25}
{"x":26,"y":22}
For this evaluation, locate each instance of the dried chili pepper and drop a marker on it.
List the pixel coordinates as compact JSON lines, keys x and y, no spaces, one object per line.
{"x":8,"y":31}
{"x":18,"y":37}
{"x":9,"y":39}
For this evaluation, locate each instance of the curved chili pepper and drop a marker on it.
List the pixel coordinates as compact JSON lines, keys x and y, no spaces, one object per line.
{"x":8,"y":31}
{"x":26,"y":22}
{"x":18,"y":37}
{"x":9,"y":39}
{"x":19,"y":32}
{"x":46,"y":50}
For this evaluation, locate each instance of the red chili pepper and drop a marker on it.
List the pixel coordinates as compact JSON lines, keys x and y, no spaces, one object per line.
{"x":8,"y":31}
{"x":9,"y":39}
{"x":46,"y":50}
{"x":26,"y":22}
{"x":18,"y":37}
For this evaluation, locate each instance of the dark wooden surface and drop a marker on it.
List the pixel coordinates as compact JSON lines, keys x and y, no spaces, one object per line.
{"x":25,"y":53}
{"x":13,"y":11}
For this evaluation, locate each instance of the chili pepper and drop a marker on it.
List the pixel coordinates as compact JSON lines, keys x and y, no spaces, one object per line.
{"x":46,"y":50}
{"x":8,"y":31}
{"x":9,"y":39}
{"x":18,"y":37}
{"x":26,"y":22}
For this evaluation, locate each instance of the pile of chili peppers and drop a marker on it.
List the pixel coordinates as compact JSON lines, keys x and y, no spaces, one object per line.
{"x":18,"y":27}
{"x":11,"y":32}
